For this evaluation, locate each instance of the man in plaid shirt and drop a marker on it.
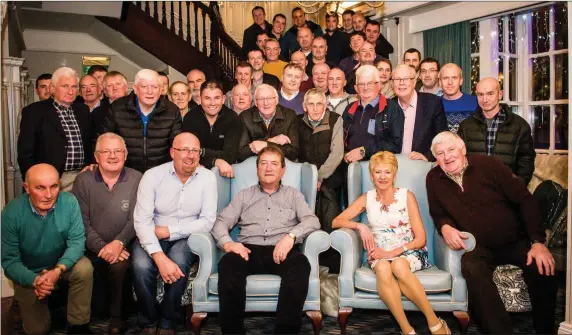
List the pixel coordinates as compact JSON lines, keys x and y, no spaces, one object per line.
{"x":494,"y":130}
{"x":58,"y":131}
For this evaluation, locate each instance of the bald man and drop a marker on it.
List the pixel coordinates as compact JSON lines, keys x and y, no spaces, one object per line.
{"x":289,"y":43}
{"x":174,"y":200}
{"x":147,"y":121}
{"x":494,"y":130}
{"x":43,"y":241}
{"x":458,"y":105}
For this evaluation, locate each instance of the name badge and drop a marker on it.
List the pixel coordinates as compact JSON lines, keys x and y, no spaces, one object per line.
{"x":371,"y":127}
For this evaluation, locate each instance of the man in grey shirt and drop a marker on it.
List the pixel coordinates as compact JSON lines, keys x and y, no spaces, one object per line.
{"x":272,"y":217}
{"x":107,"y":196}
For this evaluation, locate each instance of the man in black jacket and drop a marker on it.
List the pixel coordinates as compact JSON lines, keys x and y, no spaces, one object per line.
{"x":147,"y":122}
{"x":494,"y":130}
{"x":260,"y":25}
{"x":266,"y":124}
{"x":337,"y":40}
{"x":217,"y":127}
{"x":374,"y":36}
{"x":57,"y":131}
{"x":289,"y":42}
{"x":424,"y":114}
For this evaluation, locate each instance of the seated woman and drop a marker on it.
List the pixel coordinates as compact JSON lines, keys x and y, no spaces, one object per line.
{"x":394,"y":240}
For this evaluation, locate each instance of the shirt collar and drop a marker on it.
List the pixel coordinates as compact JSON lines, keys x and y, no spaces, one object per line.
{"x":62,"y":108}
{"x":288,"y":97}
{"x":263,"y":191}
{"x":122,"y":176}
{"x":461,"y":173}
{"x":412,"y":102}
{"x":35,"y":211}
{"x":172,"y":172}
{"x":372,"y":103}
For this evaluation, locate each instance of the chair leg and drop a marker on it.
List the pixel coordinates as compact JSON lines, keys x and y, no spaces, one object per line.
{"x":463,"y":318}
{"x":343,"y":314}
{"x":196,"y":320}
{"x":316,"y":317}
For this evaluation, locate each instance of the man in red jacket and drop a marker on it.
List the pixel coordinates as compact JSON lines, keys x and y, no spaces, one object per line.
{"x":481,"y":195}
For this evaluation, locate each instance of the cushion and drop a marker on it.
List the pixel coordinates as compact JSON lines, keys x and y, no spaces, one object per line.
{"x":256,"y":285}
{"x":432,"y":279}
{"x":329,"y":293}
{"x":512,"y":288}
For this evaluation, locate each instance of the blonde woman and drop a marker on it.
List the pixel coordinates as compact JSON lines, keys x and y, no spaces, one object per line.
{"x":395,"y":241}
{"x":383,"y":65}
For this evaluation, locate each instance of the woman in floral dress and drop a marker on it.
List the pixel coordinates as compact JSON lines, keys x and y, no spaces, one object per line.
{"x":395,"y":241}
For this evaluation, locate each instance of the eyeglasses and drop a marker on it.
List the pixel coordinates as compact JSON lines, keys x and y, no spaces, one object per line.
{"x":402,"y":80}
{"x":267,"y":99}
{"x":367,"y":85}
{"x":186,"y":151}
{"x":116,"y":152}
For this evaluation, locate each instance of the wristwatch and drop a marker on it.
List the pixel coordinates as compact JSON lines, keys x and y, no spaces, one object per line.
{"x":362,"y":152}
{"x":61,"y":268}
{"x":292,"y":236}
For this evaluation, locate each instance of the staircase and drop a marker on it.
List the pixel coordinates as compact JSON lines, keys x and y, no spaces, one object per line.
{"x":186,"y":35}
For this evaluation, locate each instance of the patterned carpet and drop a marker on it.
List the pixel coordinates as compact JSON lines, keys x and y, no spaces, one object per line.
{"x":360,"y":322}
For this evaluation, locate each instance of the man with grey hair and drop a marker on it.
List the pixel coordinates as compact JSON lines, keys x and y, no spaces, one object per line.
{"x":107,"y":197}
{"x":241,"y":98}
{"x":195,"y":78}
{"x":147,"y":121}
{"x":268,"y":124}
{"x":321,"y":137}
{"x":114,"y":86}
{"x":58,"y":131}
{"x":424,"y":114}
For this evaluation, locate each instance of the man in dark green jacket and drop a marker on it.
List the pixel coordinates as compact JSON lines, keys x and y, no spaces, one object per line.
{"x":494,"y":130}
{"x":43,"y":241}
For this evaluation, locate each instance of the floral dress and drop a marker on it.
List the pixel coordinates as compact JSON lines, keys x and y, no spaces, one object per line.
{"x":391,"y":228}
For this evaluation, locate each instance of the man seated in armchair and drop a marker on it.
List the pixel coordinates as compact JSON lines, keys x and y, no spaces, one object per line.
{"x":272,"y":218}
{"x":481,"y":195}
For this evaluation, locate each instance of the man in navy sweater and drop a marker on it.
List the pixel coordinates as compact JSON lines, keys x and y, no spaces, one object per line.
{"x":290,"y":95}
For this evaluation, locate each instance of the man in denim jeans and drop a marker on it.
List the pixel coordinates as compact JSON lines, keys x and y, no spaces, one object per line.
{"x":174,"y":200}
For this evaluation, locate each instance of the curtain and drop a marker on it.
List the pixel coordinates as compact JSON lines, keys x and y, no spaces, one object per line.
{"x":451,"y":44}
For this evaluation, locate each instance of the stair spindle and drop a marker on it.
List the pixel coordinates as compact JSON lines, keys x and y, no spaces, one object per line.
{"x":172,"y":16}
{"x":181,"y":20}
{"x":189,"y":39}
{"x":155,"y":11}
{"x":196,"y":26}
{"x":164,"y":7}
{"x":146,"y":7}
{"x":204,"y":32}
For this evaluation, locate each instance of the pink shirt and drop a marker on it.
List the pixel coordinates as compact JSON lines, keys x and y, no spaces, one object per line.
{"x":409,"y":125}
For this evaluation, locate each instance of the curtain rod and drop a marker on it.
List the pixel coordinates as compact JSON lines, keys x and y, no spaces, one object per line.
{"x":522,"y":9}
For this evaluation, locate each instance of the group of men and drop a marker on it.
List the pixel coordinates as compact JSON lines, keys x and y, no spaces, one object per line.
{"x":146,"y":156}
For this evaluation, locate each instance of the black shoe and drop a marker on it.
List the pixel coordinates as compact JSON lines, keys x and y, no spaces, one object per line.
{"x":79,"y":329}
{"x":117,"y":326}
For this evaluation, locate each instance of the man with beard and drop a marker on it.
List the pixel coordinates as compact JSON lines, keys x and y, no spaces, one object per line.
{"x":337,"y":40}
{"x":259,"y":77}
{"x":195,"y":78}
{"x":174,"y":200}
{"x":268,"y":124}
{"x":217,"y":127}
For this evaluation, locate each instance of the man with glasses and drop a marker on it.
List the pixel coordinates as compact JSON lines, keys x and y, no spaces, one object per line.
{"x":195,"y":78}
{"x":268,"y":124}
{"x":429,"y":74}
{"x":217,"y":127}
{"x":107,"y":197}
{"x":146,"y":121}
{"x":458,"y":105}
{"x":174,"y":200}
{"x":424,"y":114}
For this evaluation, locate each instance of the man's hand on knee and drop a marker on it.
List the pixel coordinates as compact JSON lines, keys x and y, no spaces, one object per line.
{"x":237,"y":248}
{"x":170,"y":272}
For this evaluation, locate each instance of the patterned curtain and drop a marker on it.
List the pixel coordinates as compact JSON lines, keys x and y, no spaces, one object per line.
{"x":451,"y":44}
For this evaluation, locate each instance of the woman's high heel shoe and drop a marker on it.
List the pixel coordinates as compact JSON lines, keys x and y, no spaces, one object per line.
{"x":442,"y":323}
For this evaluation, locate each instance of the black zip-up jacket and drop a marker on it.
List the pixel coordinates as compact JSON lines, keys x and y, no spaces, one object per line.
{"x":513,"y":143}
{"x":144,"y":152}
{"x":219,"y":140}
{"x":284,"y":122}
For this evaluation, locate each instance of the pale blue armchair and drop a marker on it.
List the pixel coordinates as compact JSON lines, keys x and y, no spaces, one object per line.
{"x":444,"y":284}
{"x":261,"y":290}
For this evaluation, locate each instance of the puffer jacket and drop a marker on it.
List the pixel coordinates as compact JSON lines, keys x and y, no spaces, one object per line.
{"x":152,"y":149}
{"x":513,"y":143}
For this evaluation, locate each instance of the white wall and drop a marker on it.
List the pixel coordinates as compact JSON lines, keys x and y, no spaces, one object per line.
{"x":103,"y":8}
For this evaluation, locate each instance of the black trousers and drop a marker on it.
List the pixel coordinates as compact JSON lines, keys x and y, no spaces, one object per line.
{"x":111,"y":286}
{"x":233,"y":270}
{"x":485,"y":303}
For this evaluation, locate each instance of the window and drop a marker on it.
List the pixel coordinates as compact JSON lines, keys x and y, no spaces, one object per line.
{"x":532,"y":67}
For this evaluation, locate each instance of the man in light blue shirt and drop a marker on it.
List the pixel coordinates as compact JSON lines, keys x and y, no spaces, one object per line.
{"x":174,"y":200}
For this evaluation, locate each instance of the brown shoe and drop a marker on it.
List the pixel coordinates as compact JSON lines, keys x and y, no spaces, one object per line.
{"x":162,"y":331}
{"x":149,"y":331}
{"x":117,"y":326}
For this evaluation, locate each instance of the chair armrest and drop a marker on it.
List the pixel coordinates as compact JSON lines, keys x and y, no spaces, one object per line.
{"x":348,"y":244}
{"x":223,"y":189}
{"x":204,"y":246}
{"x":354,"y":182}
{"x":308,"y":184}
{"x":316,"y":243}
{"x":449,"y":260}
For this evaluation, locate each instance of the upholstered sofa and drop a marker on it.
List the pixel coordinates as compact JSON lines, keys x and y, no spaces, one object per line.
{"x":443,"y":282}
{"x":261,"y":290}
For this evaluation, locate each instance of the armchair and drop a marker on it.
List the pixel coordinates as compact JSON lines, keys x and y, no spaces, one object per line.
{"x":443,"y":282}
{"x":261,"y":290}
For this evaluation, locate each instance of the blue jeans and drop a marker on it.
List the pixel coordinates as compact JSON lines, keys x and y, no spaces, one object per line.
{"x":145,"y":274}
